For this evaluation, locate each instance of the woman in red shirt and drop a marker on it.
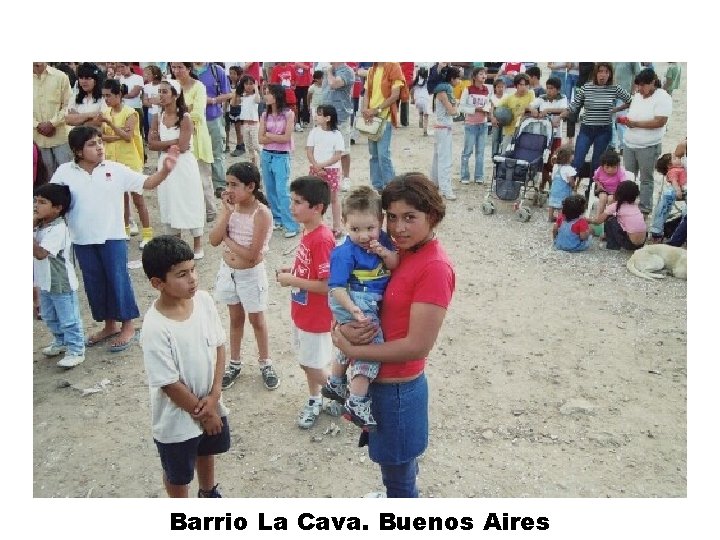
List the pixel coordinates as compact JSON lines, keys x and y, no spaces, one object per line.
{"x":413,"y":309}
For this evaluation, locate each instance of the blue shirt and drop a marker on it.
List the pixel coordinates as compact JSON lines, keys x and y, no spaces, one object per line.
{"x":340,"y":98}
{"x":214,"y":85}
{"x":351,"y":264}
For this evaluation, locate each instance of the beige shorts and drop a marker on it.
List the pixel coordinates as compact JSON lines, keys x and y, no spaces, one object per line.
{"x":346,"y":129}
{"x":313,"y":350}
{"x":248,"y":287}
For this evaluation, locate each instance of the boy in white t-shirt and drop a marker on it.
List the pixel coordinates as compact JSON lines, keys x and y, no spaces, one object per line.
{"x":54,"y":274}
{"x":183,"y":345}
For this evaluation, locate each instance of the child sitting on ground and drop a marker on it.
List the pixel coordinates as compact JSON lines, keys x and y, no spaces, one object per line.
{"x":358,"y":277}
{"x":183,"y":344}
{"x":571,"y":231}
{"x":675,"y":174}
{"x":624,"y":223}
{"x":54,"y":274}
{"x":607,"y":177}
{"x":563,"y":181}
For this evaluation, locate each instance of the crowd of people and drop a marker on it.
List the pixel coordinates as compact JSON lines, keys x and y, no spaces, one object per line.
{"x":367,"y":304}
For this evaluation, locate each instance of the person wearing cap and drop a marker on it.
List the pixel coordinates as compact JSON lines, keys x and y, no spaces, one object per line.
{"x":646,"y":121}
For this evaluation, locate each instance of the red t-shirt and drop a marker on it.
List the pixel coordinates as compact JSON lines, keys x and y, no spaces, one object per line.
{"x":303,"y":73}
{"x":253,"y":69}
{"x":424,"y":277}
{"x":285,"y":76}
{"x":358,"y":84}
{"x":408,"y":69}
{"x":310,"y":311}
{"x":580,"y":226}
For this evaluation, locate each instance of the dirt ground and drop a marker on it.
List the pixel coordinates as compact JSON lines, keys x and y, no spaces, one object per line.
{"x":555,"y":375}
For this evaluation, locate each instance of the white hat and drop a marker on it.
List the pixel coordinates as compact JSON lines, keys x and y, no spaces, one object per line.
{"x":175,"y":84}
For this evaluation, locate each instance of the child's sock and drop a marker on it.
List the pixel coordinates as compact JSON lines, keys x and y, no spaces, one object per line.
{"x":127,"y":230}
{"x":337,"y":381}
{"x":358,"y":398}
{"x":236,"y":363}
{"x":147,"y":233}
{"x":312,"y":400}
{"x":266,"y":362}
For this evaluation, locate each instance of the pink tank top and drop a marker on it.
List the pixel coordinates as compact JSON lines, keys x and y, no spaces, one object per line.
{"x":240,"y":229}
{"x":275,"y":124}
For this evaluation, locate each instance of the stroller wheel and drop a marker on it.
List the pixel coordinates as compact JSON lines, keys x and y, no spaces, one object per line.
{"x":488,"y":208}
{"x":542,"y":199}
{"x":523,"y":214}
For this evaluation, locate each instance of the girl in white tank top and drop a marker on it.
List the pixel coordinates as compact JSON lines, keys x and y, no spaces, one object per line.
{"x":244,"y":227}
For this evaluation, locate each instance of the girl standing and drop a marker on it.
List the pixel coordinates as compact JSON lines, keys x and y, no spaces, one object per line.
{"x":121,"y":134}
{"x":88,"y":103}
{"x":249,"y":99}
{"x":276,"y":136}
{"x":232,"y":115}
{"x":325,"y":146}
{"x":180,"y":199}
{"x":244,"y":227}
{"x":421,"y":96}
{"x":624,"y":223}
{"x":445,"y":110}
{"x":151,"y":103}
{"x":563,"y":181}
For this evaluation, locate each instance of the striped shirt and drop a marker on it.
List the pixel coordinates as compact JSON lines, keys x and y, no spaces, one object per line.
{"x":597,"y":101}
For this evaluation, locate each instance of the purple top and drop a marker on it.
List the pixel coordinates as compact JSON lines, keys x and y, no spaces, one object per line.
{"x":215,"y":84}
{"x":275,"y":124}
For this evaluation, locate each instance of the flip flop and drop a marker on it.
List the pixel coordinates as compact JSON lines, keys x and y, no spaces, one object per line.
{"x":122,"y":346}
{"x":89,"y":342}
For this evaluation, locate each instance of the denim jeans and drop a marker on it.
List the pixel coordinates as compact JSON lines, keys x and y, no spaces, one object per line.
{"x":562,"y":75}
{"x":474,"y":140}
{"x":217,"y":136}
{"x":596,"y":136}
{"x":368,"y":302}
{"x":61,"y":314}
{"x":679,"y":237}
{"x":276,"y":177}
{"x":570,"y":83}
{"x":399,"y":480}
{"x":442,"y":159}
{"x":381,"y":166}
{"x":667,"y":199}
{"x":618,"y":130}
{"x":641,"y":162}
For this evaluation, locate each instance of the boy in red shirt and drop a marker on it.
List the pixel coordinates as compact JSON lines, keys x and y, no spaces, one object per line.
{"x":311,"y":316}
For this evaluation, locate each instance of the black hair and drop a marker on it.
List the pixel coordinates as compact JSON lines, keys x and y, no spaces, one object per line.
{"x":278,"y":92}
{"x":606,"y":65}
{"x":88,"y":70}
{"x":67,"y":70}
{"x":313,"y":189}
{"x":329,"y":110}
{"x":421,"y":77}
{"x":646,"y":76}
{"x":554,"y":82}
{"x":247,"y":173}
{"x":477,"y":70}
{"x":238,"y":69}
{"x":662,"y":165}
{"x":240,"y":88}
{"x":318,"y":75}
{"x":162,"y":253}
{"x":57,"y":194}
{"x":498,"y":81}
{"x":190,"y":68}
{"x":78,"y":136}
{"x":41,"y":171}
{"x":610,"y":158}
{"x":448,"y":73}
{"x":533,"y":71}
{"x":521,"y":77}
{"x":115,"y":87}
{"x":626,"y":192}
{"x":156,"y":72}
{"x":573,"y":206}
{"x":415,"y":189}
{"x":180,"y":105}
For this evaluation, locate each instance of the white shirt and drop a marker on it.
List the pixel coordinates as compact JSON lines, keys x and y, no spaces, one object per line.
{"x":88,"y":106}
{"x":131,"y":82}
{"x":184,"y":351}
{"x":543,"y":105}
{"x":325,"y":144}
{"x":96,"y":211}
{"x":150,"y":90}
{"x":641,"y":109}
{"x":55,"y":273}
{"x":249,"y":107}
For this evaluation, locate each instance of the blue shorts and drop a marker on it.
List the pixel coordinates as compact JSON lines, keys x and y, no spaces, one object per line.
{"x":178,"y":459}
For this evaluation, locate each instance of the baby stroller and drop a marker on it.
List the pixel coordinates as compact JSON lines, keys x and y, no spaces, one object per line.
{"x":515,"y":169}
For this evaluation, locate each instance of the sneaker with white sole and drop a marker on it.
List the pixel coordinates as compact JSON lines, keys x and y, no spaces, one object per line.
{"x":290,"y":234}
{"x":71,"y":360}
{"x":213,"y":493}
{"x":199,"y":255}
{"x":358,"y":412}
{"x":308,"y":414}
{"x":231,"y":373}
{"x":335,"y":392}
{"x":346,"y":184}
{"x":299,"y":128}
{"x":269,"y":377}
{"x":134,"y":229}
{"x":450,"y":196}
{"x":277,"y":226}
{"x":143,"y":243}
{"x":54,"y":349}
{"x":375,"y":495}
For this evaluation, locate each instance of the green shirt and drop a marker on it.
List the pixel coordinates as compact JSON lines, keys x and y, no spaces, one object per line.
{"x":673,"y":74}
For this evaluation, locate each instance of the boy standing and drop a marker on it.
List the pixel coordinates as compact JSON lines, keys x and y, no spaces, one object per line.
{"x":55,"y":275}
{"x":183,"y":345}
{"x":310,"y":197}
{"x":519,"y":105}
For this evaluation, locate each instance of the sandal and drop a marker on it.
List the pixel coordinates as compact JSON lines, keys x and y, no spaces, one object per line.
{"x":119,"y":347}
{"x":90,"y":342}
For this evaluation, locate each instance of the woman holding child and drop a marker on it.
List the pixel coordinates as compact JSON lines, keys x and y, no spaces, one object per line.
{"x":412,"y":313}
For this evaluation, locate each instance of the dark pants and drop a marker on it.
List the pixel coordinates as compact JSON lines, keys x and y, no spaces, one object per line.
{"x":304,"y":110}
{"x":405,"y":113}
{"x":679,"y":236}
{"x":596,"y":136}
{"x":616,"y":237}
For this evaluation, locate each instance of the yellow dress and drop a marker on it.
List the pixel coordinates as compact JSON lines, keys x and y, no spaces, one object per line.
{"x":196,"y":101}
{"x":128,"y":153}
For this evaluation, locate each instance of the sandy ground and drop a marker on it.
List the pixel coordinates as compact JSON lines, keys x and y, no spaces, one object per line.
{"x":555,"y":375}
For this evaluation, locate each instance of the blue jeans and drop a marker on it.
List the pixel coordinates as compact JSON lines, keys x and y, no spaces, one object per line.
{"x":667,"y":200}
{"x":562,"y":75}
{"x":596,"y":136}
{"x":381,"y":166}
{"x":276,"y":176}
{"x":216,"y":128}
{"x":570,"y":83}
{"x":441,"y":172}
{"x":474,"y":140}
{"x":399,"y":480}
{"x":679,"y":237}
{"x":107,"y":281}
{"x":368,"y":302}
{"x":61,"y":314}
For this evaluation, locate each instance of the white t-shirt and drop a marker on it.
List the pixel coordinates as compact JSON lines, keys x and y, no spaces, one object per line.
{"x":184,"y":351}
{"x":325,"y":144}
{"x":543,"y":105}
{"x":55,"y":273}
{"x":150,"y":90}
{"x":641,"y":109}
{"x":96,"y":211}
{"x":249,"y":107}
{"x":566,"y":172}
{"x":131,"y":82}
{"x":88,"y":106}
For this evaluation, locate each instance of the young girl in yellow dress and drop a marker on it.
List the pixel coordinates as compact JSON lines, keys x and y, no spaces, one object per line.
{"x":123,"y":143}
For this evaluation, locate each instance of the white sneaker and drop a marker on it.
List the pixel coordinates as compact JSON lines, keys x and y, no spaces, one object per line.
{"x":299,"y":128}
{"x":375,"y":495}
{"x":345,"y":184}
{"x":199,"y":255}
{"x":134,"y":229}
{"x":450,"y":196}
{"x":143,"y":243}
{"x":290,"y":234}
{"x":54,"y":349}
{"x":308,"y":414}
{"x":71,"y":360}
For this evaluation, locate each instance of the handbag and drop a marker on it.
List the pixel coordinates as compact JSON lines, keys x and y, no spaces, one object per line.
{"x":373,"y":130}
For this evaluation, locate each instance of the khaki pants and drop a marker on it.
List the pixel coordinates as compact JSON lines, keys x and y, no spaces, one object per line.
{"x":208,"y":193}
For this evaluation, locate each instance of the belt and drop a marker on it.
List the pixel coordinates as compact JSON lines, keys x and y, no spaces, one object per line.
{"x":277,"y":151}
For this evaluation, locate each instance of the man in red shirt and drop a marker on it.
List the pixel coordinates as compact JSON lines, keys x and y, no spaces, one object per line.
{"x":408,"y":69}
{"x":283,"y":73}
{"x":303,"y":75}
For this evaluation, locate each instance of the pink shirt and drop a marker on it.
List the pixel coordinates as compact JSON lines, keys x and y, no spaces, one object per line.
{"x":629,"y":217}
{"x":607,"y":182}
{"x":276,"y":123}
{"x":679,"y":174}
{"x":241,"y":228}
